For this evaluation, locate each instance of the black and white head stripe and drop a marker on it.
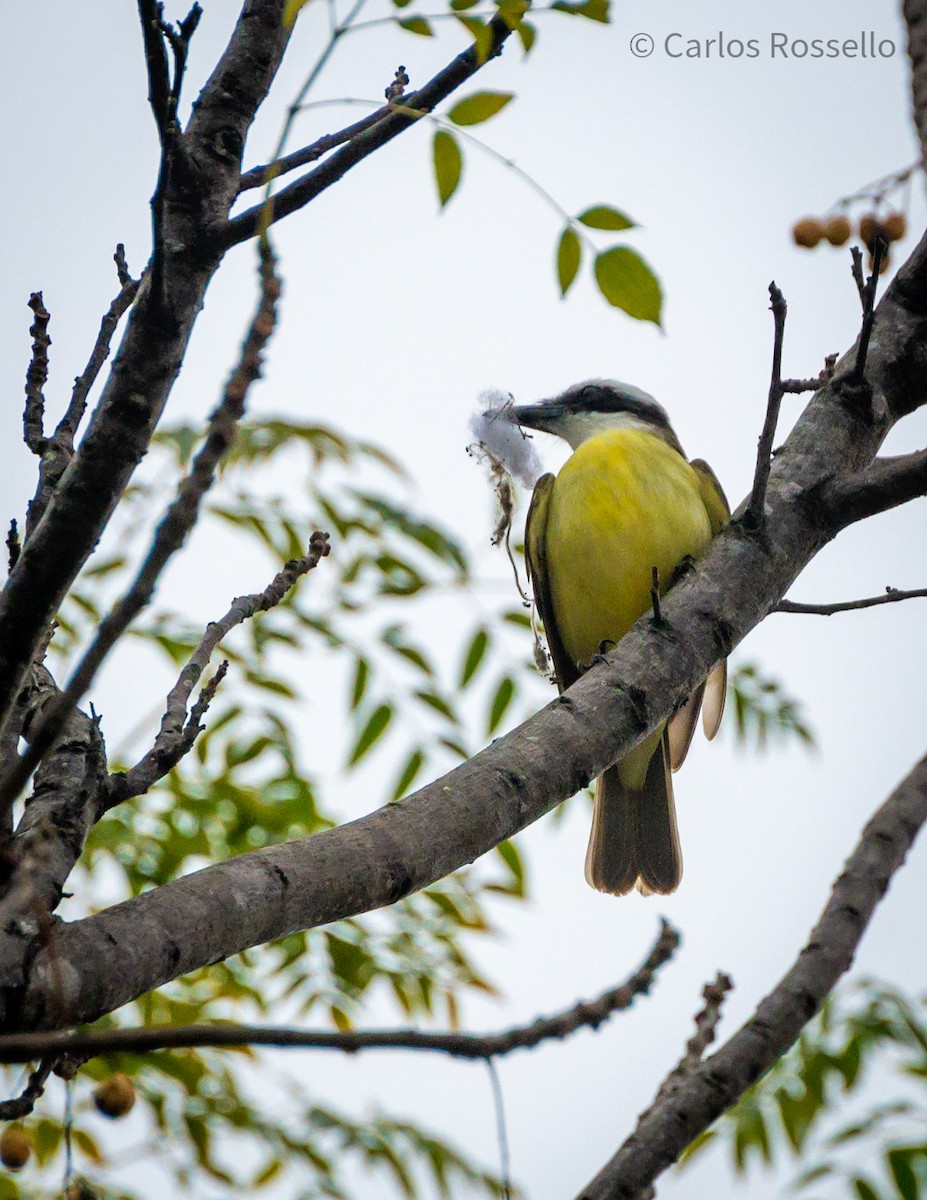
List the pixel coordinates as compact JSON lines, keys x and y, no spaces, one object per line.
{"x":592,"y":407}
{"x":612,"y":396}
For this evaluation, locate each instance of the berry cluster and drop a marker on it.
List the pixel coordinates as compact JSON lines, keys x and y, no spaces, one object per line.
{"x":810,"y":231}
{"x":114,"y":1097}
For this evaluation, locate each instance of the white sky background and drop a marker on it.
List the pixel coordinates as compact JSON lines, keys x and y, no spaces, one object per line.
{"x":395,"y":318}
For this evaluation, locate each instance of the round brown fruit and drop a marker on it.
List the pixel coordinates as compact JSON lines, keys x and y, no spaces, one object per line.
{"x":869,"y":229}
{"x":15,"y":1148}
{"x":807,"y":232}
{"x":837,"y":230}
{"x":115,"y":1097}
{"x":895,"y":226}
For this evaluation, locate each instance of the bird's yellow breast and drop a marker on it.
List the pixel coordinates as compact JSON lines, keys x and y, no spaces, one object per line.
{"x":624,"y":502}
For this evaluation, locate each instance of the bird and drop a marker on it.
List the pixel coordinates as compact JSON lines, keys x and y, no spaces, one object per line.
{"x":626,"y":501}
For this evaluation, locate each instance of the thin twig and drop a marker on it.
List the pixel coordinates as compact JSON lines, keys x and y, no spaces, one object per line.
{"x":585,"y":1015}
{"x":260,"y":176}
{"x":867,"y":298}
{"x":754,"y":516}
{"x":67,"y":426}
{"x":505,"y":1165}
{"x":169,"y":536}
{"x":892,"y":596}
{"x":159,"y":86}
{"x":21,"y":1106}
{"x":178,"y":732}
{"x":13,"y":546}
{"x":36,"y":376}
{"x":655,"y":595}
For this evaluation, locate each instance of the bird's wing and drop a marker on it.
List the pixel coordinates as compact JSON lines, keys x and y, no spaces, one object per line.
{"x":713,"y":497}
{"x":719,"y":513}
{"x":536,"y":559}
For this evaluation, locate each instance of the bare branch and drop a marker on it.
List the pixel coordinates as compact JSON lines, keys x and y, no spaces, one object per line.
{"x":399,"y":118}
{"x":67,"y":427}
{"x":261,"y":176}
{"x":589,"y":1014}
{"x":159,"y":86}
{"x":15,"y":1110}
{"x":884,"y":484}
{"x":715,"y":1085}
{"x":867,"y":295}
{"x":36,"y":376}
{"x":13,"y":546}
{"x":754,"y":516}
{"x":891,"y":596}
{"x":170,"y":535}
{"x":59,"y":448}
{"x":178,"y":732}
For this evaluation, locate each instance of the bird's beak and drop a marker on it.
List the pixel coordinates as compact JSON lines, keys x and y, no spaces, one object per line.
{"x":543,"y":415}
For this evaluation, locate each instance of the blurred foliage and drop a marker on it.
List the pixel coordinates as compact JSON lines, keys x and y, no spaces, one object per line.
{"x":764,"y":714}
{"x":818,"y":1104}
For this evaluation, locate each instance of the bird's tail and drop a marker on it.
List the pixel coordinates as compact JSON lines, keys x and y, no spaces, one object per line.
{"x":634,"y":841}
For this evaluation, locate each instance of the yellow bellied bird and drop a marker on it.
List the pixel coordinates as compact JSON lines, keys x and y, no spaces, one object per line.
{"x":627,"y":500}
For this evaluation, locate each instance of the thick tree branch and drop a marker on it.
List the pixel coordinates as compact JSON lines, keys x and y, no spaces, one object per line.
{"x":587,"y":1014}
{"x":891,"y":596}
{"x":723,"y":1078}
{"x":178,"y":732}
{"x":111,"y":957}
{"x":396,"y":120}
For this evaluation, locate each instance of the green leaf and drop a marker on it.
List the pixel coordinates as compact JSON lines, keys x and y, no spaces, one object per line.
{"x":448,"y":164}
{"x":463,"y":5}
{"x":592,"y":10}
{"x":417,"y":25}
{"x":899,"y":1163}
{"x":474,"y":656}
{"x":479,"y":107}
{"x":864,"y":1190}
{"x":527,"y":34}
{"x":569,"y":256}
{"x":603,"y":216}
{"x":503,"y":697}
{"x":374,"y":728}
{"x":361,"y":675}
{"x":627,"y":283}
{"x":408,"y":774}
{"x":438,"y":703}
{"x":482,"y":36}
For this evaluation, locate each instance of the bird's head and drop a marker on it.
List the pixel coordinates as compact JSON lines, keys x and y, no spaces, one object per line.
{"x":590,"y":408}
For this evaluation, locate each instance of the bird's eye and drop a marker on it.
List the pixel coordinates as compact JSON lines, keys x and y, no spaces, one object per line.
{"x":589,"y":392}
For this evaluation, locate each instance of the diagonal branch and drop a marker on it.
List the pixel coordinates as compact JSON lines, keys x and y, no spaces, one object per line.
{"x":170,"y":535}
{"x":884,"y":484}
{"x":178,"y":731}
{"x":587,"y":1014}
{"x":891,"y":596}
{"x":396,"y":120}
{"x":723,"y":1078}
{"x":261,"y":176}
